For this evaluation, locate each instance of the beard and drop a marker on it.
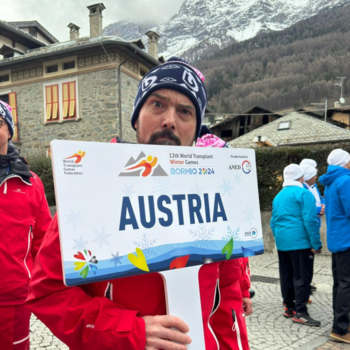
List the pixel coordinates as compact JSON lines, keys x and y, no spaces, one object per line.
{"x":164,"y":137}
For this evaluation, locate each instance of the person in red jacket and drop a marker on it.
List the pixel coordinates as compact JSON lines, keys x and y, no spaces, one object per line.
{"x":228,"y":282}
{"x":24,"y":219}
{"x":168,"y":110}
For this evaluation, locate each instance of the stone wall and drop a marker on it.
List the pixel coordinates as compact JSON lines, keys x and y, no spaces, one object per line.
{"x":269,"y":240}
{"x":98,"y":112}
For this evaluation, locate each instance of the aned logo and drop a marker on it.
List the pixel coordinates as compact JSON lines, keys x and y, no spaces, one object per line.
{"x":246,"y":167}
{"x":143,"y":166}
{"x":234,"y":167}
{"x":78,"y":157}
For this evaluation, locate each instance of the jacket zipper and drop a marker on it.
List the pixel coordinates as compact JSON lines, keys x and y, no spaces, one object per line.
{"x":30,"y":235}
{"x":236,"y":329}
{"x":212,"y":313}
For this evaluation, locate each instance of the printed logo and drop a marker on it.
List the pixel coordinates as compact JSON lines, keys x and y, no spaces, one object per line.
{"x":246,"y":167}
{"x":143,"y":166}
{"x":78,"y":157}
{"x":190,"y":80}
{"x":88,"y":261}
{"x":253,"y":233}
{"x":72,"y":166}
{"x":148,"y":83}
{"x":234,"y":167}
{"x":171,"y":66}
{"x":168,"y":80}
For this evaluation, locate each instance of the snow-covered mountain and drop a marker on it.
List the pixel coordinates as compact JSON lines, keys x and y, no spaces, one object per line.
{"x":209,"y":25}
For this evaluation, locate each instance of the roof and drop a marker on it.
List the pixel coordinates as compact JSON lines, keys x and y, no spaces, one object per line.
{"x":72,"y":46}
{"x":7,"y":49}
{"x":22,"y":37}
{"x":303,"y":130}
{"x":248,"y":111}
{"x":38,"y":26}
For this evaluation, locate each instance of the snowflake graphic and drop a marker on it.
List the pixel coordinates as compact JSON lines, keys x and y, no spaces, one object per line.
{"x":146,"y":246}
{"x":164,"y":186}
{"x":116,"y":259}
{"x":237,"y":177}
{"x":249,"y":215}
{"x":179,"y":250}
{"x":101,"y":237}
{"x":198,"y":190}
{"x":232,"y":234}
{"x":73,"y":218}
{"x":202,"y":236}
{"x":226,"y":187}
{"x":128,"y":190}
{"x":80,"y":244}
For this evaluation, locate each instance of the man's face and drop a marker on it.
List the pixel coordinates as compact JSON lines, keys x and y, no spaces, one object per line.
{"x":167,"y":118}
{"x":4,"y":136}
{"x":311,"y":181}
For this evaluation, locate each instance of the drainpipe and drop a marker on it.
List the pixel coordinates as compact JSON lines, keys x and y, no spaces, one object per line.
{"x":120,"y":93}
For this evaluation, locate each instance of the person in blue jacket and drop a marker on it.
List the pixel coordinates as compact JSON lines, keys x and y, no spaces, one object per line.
{"x":295,"y":227}
{"x":337,"y":195}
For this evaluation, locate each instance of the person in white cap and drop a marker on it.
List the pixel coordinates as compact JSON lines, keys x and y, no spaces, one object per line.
{"x":310,"y":174}
{"x":295,"y":227}
{"x":337,"y":195}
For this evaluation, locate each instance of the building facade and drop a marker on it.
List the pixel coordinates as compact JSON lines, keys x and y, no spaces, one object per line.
{"x":82,"y":89}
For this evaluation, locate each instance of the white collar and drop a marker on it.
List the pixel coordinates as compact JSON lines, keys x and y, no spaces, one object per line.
{"x":288,"y":183}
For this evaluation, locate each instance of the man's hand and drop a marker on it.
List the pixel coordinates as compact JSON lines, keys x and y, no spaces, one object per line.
{"x":318,"y":251}
{"x":247,"y":306}
{"x":323,"y":208}
{"x":159,"y":334}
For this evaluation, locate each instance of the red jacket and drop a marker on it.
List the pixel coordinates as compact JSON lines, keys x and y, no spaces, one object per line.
{"x":102,"y":315}
{"x":24,"y":219}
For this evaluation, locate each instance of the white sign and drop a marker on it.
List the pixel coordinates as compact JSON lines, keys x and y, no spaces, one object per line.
{"x":128,"y":209}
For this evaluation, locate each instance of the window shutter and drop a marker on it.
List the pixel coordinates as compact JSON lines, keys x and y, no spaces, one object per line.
{"x":13,"y":104}
{"x":65,"y":99}
{"x":72,"y":99}
{"x":48,"y":102}
{"x":55,"y":101}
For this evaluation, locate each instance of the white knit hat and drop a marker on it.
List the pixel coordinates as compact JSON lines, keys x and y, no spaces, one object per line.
{"x":309,"y":171}
{"x":338,"y":157}
{"x":293,"y":172}
{"x":307,"y":161}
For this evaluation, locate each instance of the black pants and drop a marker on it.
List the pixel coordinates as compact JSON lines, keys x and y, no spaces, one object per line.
{"x":296,"y":267}
{"x":341,"y":291}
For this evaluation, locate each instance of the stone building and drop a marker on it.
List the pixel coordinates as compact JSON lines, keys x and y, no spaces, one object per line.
{"x":82,"y":89}
{"x":235,"y":126}
{"x":293,"y":129}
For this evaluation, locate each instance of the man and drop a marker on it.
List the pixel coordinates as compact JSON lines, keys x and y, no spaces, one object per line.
{"x":337,"y":194}
{"x":295,"y":227}
{"x":168,"y":110}
{"x":24,"y":219}
{"x":310,"y":174}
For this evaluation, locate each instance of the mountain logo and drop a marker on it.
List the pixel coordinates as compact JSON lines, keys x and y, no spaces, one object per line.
{"x":143,"y":166}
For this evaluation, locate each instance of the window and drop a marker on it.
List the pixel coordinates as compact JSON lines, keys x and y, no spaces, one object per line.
{"x":33,"y":31}
{"x":142,"y":72}
{"x":68,"y":65}
{"x":4,"y":78}
{"x":52,"y":69}
{"x":61,"y":101}
{"x":226,"y":133}
{"x":51,"y":102}
{"x":284,"y":126}
{"x":10,"y":98}
{"x":68,"y":93}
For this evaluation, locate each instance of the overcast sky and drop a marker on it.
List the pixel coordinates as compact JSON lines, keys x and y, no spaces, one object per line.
{"x":56,"y":15}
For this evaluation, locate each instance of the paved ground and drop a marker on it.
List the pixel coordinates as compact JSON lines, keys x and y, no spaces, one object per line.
{"x":267,"y":328}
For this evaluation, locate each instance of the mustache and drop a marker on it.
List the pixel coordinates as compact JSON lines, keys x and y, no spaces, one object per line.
{"x":166,"y":133}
